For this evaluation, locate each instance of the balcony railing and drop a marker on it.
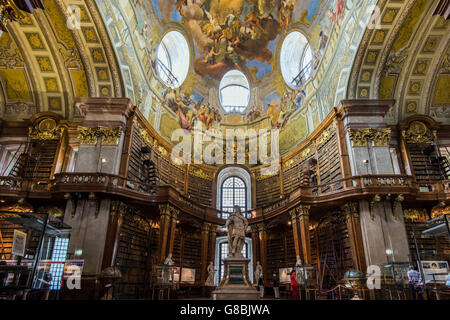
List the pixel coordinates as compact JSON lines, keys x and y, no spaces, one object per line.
{"x":347,"y":188}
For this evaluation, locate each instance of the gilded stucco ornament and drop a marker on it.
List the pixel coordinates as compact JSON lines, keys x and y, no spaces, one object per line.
{"x":9,"y":13}
{"x":359,"y":137}
{"x":378,"y":137}
{"x":110,"y":136}
{"x":47,"y":129}
{"x":381,"y":138}
{"x":418,"y":132}
{"x":87,"y":135}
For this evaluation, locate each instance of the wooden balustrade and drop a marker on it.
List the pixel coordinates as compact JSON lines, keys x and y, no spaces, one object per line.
{"x":346,"y":188}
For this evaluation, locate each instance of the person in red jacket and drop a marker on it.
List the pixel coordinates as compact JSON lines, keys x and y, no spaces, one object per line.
{"x":294,"y":285}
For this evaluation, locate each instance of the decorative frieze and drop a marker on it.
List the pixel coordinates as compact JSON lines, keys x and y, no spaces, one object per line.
{"x":378,"y":137}
{"x":110,"y":136}
{"x":87,"y":135}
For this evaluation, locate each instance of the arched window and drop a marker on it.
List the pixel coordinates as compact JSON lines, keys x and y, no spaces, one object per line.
{"x":173,"y":59}
{"x":295,"y":59}
{"x":234,"y":92}
{"x":234,"y":192}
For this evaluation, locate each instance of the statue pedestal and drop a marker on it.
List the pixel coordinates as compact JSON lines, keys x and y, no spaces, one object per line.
{"x":236,"y":284}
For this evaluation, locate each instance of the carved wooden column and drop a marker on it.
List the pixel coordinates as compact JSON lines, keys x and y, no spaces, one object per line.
{"x":295,"y":230}
{"x":212,"y":243}
{"x":303,"y":225}
{"x":351,"y":211}
{"x":173,"y":225}
{"x":343,"y":152}
{"x":255,"y":245}
{"x":262,"y":235}
{"x":112,"y":234}
{"x":204,"y":251}
{"x":164,"y":219}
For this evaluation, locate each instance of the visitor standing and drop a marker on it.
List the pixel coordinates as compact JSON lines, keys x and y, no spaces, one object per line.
{"x":261,"y":287}
{"x":294,"y":285}
{"x":276,"y":286}
{"x":415,"y":283}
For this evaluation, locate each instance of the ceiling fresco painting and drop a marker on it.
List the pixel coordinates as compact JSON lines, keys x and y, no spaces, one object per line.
{"x":246,"y":35}
{"x":232,"y":34}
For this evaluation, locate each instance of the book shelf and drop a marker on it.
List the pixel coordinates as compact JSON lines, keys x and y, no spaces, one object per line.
{"x":200,"y":190}
{"x":132,"y":254}
{"x":39,"y":163}
{"x":429,"y":246}
{"x":296,"y":176}
{"x":334,"y":250}
{"x":138,"y":167}
{"x":329,"y":161}
{"x":168,"y":173}
{"x":267,"y":190}
{"x":423,"y":160}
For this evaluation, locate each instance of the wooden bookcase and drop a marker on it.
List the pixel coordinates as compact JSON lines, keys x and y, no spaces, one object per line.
{"x":132,"y":254}
{"x":329,"y":161}
{"x":267,"y":190}
{"x":200,"y":190}
{"x":423,"y":160}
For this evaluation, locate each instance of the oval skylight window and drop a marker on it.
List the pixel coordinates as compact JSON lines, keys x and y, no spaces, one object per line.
{"x":295,"y":59}
{"x":173,"y":59}
{"x":234,"y":92}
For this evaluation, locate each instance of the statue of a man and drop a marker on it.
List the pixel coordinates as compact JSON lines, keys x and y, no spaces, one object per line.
{"x":237,"y":226}
{"x":211,"y":273}
{"x":258,"y":271}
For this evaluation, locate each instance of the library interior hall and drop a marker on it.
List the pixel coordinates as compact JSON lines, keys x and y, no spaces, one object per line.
{"x":224,"y":150}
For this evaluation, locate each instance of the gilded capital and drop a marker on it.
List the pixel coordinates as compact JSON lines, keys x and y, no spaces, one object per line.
{"x":110,"y":136}
{"x":350,"y":209}
{"x":87,"y":135}
{"x":381,"y":138}
{"x":261,"y":226}
{"x":206,"y":227}
{"x":303,"y":210}
{"x":359,"y":137}
{"x":165,"y":210}
{"x":254,"y":228}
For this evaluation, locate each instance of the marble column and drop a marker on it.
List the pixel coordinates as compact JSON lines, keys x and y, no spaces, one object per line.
{"x":262,"y":237}
{"x":303,"y":225}
{"x":100,"y":134}
{"x":351,"y":211}
{"x":204,"y":251}
{"x":164,"y":221}
{"x":368,"y":143}
{"x":255,"y":244}
{"x":173,"y":225}
{"x":295,"y":231}
{"x":212,"y":243}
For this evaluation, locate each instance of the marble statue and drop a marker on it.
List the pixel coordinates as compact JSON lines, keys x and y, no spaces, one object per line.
{"x":300,"y":272}
{"x":169,"y":261}
{"x":236,"y":225}
{"x":258,"y":272}
{"x":211,"y":273}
